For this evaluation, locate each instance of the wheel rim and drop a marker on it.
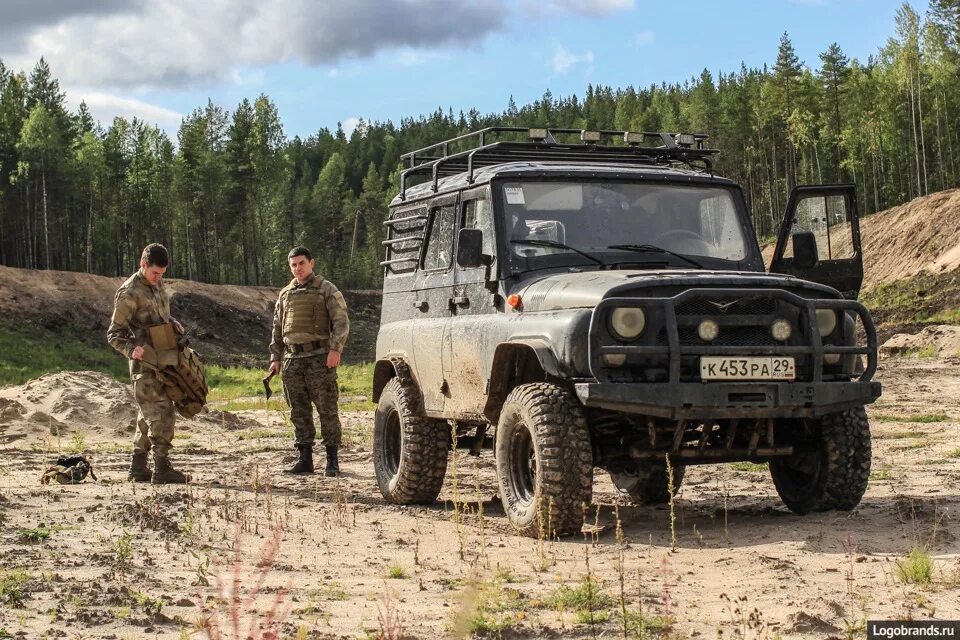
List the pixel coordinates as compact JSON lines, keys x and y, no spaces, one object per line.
{"x":625,"y":481}
{"x":392,"y":438}
{"x":523,"y":464}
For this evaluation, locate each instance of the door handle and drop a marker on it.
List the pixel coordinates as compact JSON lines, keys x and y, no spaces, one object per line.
{"x":421,"y":305}
{"x":459,"y":301}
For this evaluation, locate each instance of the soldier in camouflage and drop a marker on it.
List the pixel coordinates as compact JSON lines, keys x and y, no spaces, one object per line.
{"x":310,"y":327}
{"x":143,"y":301}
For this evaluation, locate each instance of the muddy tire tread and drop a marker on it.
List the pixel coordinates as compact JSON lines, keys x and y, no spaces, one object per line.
{"x":424,"y":449}
{"x":558,"y":423}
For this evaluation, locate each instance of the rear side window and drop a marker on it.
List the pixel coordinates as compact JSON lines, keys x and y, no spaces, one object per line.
{"x":439,"y":252}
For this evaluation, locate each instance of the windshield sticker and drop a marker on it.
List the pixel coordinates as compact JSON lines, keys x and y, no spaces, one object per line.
{"x":514,"y":195}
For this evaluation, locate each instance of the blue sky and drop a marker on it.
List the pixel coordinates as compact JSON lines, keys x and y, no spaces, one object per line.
{"x":324,"y":61}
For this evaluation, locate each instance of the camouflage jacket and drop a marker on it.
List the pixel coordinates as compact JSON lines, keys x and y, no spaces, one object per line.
{"x":137,"y":305}
{"x":331,"y":317}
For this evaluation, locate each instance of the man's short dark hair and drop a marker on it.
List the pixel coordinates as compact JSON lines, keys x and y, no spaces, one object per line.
{"x":300,"y":251}
{"x":156,"y":255}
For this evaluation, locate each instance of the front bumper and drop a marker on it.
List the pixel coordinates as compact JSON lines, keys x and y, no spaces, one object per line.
{"x":678,"y":396}
{"x":728,"y":399}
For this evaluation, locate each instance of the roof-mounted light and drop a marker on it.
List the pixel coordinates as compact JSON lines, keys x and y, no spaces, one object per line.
{"x":589,"y":136}
{"x":686,"y":139}
{"x":632,"y":137}
{"x":537,"y":134}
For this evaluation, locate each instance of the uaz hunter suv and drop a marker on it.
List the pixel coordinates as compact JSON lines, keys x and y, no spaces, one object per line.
{"x":580,"y":300}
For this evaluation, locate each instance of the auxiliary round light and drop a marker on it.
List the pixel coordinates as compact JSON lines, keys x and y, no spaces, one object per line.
{"x":708,"y":330}
{"x":831,"y":358}
{"x":781,"y":330}
{"x":614,"y":359}
{"x":826,"y":321}
{"x":627,"y":322}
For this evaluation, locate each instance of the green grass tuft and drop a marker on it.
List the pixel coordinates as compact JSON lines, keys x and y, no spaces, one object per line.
{"x":396,"y":572}
{"x":494,"y":609}
{"x":35,"y":535}
{"x":917,"y":568}
{"x":587,"y":599}
{"x":753,"y":467}
{"x":920,"y":418}
{"x":13,"y":592}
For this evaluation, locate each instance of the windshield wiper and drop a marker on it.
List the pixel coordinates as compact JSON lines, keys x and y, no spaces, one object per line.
{"x":650,"y":248}
{"x":559,"y":245}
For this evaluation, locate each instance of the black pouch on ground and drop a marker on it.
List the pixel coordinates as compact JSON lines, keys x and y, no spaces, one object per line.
{"x":69,"y":470}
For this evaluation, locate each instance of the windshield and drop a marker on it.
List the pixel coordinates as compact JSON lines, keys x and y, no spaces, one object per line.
{"x":602,"y":218}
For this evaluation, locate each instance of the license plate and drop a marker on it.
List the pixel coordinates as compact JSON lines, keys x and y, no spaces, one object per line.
{"x":747,"y":368}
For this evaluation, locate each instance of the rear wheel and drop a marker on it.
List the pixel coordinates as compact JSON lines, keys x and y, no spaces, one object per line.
{"x":544,"y":460}
{"x":647,"y":483}
{"x":409,"y":450}
{"x":831,"y":469}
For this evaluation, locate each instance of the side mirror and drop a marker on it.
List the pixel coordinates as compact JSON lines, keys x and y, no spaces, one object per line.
{"x":805,"y":249}
{"x":470,"y":248}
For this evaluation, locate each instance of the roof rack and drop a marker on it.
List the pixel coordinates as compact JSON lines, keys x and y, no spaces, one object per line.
{"x":465,"y":153}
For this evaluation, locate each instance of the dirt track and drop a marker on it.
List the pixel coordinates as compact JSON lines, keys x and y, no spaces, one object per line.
{"x":129,"y":560}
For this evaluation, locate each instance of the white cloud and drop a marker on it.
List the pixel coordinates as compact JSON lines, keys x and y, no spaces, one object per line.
{"x":350,"y":124}
{"x":564,"y":59}
{"x":104,"y":107}
{"x":643,"y":38}
{"x":591,"y":8}
{"x":151,"y":44}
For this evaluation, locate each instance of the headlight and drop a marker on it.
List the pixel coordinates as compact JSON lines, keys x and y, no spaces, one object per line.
{"x":781,"y":330}
{"x":708,"y":330}
{"x":826,"y":321}
{"x":627,"y":323}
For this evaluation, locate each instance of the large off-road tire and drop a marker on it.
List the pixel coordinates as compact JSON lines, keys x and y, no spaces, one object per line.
{"x":647,"y":483}
{"x":830,"y":471}
{"x":409,"y":450}
{"x":544,"y":460}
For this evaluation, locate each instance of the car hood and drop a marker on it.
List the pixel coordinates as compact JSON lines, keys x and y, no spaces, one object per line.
{"x":585,"y":289}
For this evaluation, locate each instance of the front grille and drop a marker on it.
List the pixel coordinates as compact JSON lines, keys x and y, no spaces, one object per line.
{"x":729,"y":336}
{"x":757,"y":305}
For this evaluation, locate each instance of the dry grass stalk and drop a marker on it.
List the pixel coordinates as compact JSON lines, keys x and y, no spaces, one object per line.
{"x":261,"y":626}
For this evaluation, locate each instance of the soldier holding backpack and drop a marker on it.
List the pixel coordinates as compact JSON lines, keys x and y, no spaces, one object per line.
{"x":167,"y":375}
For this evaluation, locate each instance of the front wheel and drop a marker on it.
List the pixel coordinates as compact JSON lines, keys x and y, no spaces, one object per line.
{"x":831,"y":469}
{"x":544,"y":460}
{"x":409,"y":450}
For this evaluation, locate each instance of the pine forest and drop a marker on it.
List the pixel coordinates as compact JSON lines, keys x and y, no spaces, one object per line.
{"x":233,"y":193}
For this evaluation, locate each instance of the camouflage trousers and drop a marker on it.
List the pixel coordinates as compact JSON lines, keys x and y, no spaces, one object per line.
{"x":156,"y":418}
{"x":308,"y":382}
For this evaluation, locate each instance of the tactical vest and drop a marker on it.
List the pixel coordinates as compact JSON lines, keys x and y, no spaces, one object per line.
{"x":179,"y":368}
{"x":305,"y":310}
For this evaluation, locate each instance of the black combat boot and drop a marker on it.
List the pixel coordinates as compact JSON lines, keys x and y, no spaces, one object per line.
{"x":164,"y":472}
{"x":139,"y":471}
{"x":333,"y":465}
{"x":305,"y":463}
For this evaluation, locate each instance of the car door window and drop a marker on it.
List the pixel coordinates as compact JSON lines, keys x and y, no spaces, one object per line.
{"x":828,"y":217}
{"x":439,"y":251}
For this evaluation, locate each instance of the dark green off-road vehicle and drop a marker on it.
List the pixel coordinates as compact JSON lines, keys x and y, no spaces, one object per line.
{"x":602,"y":303}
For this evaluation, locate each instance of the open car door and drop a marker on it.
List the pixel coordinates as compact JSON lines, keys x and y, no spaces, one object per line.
{"x":820,"y":238}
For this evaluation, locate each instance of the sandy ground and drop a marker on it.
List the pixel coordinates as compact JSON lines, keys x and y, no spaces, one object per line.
{"x":126,"y":560}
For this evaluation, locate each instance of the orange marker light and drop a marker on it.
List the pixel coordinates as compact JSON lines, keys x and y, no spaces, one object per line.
{"x":514,"y":301}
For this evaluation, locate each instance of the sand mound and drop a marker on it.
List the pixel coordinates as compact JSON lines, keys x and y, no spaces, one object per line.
{"x":66,"y":401}
{"x":937,"y":340}
{"x":95,"y":404}
{"x":920,"y":235}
